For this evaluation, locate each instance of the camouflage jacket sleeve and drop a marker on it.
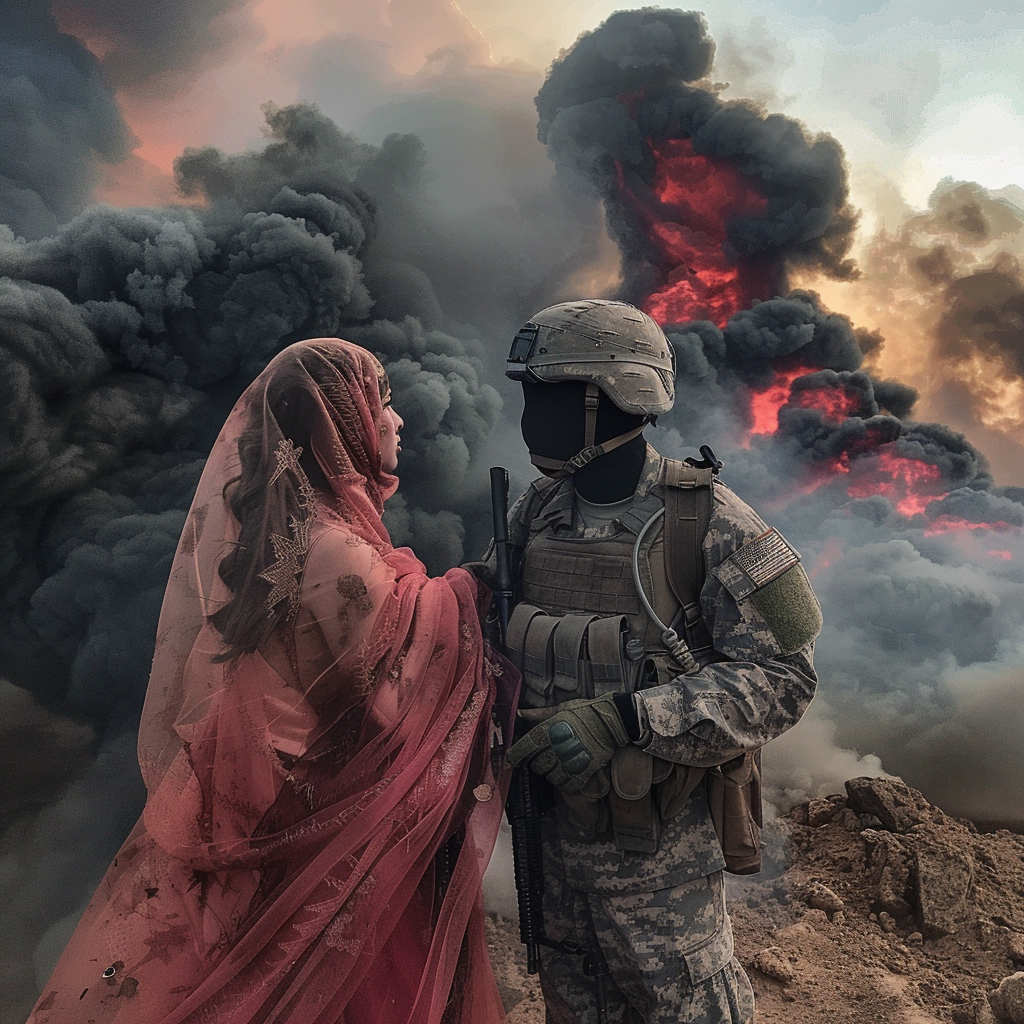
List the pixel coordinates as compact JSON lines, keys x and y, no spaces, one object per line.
{"x":763,"y":617}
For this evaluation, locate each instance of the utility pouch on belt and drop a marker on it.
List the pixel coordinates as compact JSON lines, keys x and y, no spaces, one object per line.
{"x":734,"y":797}
{"x":632,"y":775}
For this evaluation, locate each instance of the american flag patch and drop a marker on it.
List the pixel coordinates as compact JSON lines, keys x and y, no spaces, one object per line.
{"x":756,"y":564}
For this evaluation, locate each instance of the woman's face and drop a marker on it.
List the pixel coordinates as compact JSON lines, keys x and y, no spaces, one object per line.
{"x":390,"y":441}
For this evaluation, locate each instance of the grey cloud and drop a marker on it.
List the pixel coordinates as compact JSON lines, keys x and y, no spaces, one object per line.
{"x":40,"y":752}
{"x":60,"y":120}
{"x":151,"y":40}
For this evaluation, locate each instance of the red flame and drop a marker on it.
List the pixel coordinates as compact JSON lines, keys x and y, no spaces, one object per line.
{"x":905,"y":482}
{"x":910,"y":484}
{"x":765,"y":404}
{"x":834,"y":403}
{"x":950,"y":524}
{"x":697,"y":195}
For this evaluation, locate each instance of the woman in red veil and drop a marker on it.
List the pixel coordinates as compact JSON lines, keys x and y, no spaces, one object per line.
{"x":321,"y":745}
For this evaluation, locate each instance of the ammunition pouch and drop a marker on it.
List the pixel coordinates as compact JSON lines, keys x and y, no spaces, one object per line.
{"x":568,"y":657}
{"x":565,"y":657}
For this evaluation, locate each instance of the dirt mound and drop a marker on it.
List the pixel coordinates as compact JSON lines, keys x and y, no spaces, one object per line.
{"x":871,"y":908}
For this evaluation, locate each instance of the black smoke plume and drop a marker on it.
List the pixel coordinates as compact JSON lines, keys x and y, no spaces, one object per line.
{"x":640,"y":80}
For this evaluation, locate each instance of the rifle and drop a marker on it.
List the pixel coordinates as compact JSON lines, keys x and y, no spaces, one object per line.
{"x":524,"y":807}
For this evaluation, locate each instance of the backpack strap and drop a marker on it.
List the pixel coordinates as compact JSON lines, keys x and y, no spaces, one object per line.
{"x":688,"y":501}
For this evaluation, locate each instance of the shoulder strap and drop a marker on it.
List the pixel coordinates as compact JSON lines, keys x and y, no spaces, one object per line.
{"x":535,"y":498}
{"x":688,"y":499}
{"x":734,"y":789}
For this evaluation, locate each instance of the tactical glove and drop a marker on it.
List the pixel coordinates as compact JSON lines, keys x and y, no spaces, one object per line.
{"x":574,"y":743}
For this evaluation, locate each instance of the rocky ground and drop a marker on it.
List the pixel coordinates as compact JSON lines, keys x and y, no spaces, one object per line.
{"x":873,"y":907}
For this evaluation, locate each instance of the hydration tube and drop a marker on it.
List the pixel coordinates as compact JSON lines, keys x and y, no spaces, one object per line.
{"x":674,"y":643}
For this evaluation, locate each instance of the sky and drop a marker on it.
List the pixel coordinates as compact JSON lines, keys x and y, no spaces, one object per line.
{"x":286,"y":168}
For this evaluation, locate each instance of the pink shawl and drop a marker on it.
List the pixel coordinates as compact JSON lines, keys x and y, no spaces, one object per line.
{"x":306,"y":776}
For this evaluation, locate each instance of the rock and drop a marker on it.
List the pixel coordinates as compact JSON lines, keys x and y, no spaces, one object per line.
{"x":996,"y":937}
{"x":821,"y":812}
{"x":943,"y":883}
{"x":889,"y":864}
{"x":849,"y":820}
{"x":821,"y":897}
{"x":898,"y":807}
{"x":771,"y":961}
{"x":798,"y":815}
{"x":915,"y":939}
{"x":977,"y":1011}
{"x":1015,"y":947}
{"x":1008,"y":1000}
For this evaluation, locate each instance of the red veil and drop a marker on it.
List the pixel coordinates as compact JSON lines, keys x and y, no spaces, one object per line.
{"x":320,"y":745}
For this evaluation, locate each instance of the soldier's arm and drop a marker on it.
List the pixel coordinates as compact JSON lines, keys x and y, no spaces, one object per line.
{"x":763,"y":617}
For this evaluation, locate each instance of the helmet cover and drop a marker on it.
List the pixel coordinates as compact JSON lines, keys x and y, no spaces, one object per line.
{"x":613,"y":345}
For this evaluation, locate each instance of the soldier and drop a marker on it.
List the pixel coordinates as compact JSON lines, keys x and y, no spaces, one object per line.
{"x":662,"y":630}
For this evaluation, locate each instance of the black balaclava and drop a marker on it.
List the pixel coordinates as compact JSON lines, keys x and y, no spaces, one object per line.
{"x":553,"y":426}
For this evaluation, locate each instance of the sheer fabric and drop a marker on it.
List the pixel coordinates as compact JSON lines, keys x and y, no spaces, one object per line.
{"x":306,"y":792}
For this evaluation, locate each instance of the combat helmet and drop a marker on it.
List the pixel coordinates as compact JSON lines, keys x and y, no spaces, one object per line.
{"x":611,"y":347}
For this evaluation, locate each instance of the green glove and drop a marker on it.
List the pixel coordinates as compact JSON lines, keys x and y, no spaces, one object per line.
{"x":574,"y":743}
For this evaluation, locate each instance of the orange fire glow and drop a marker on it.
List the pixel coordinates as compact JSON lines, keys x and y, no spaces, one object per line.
{"x":696,"y":196}
{"x":835,"y":404}
{"x":831,"y":552}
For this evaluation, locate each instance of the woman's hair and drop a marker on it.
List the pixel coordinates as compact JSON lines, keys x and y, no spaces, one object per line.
{"x":316,"y":422}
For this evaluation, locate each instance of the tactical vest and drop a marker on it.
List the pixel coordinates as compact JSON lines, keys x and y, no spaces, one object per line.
{"x":580,"y":630}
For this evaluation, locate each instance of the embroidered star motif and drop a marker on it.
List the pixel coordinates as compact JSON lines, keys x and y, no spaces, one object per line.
{"x":287,"y":458}
{"x":283,"y":575}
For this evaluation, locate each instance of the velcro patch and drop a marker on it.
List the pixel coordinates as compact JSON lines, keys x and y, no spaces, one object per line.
{"x":756,"y":564}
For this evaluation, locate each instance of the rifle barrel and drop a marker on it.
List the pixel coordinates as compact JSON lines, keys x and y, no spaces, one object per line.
{"x":499,"y":519}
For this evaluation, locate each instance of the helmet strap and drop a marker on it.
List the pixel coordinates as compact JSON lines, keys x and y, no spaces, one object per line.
{"x":588,"y":454}
{"x":591,"y":402}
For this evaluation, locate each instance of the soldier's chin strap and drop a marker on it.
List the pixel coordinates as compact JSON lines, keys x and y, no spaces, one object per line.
{"x":560,"y":468}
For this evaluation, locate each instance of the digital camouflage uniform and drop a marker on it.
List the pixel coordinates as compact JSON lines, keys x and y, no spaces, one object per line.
{"x":660,"y":918}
